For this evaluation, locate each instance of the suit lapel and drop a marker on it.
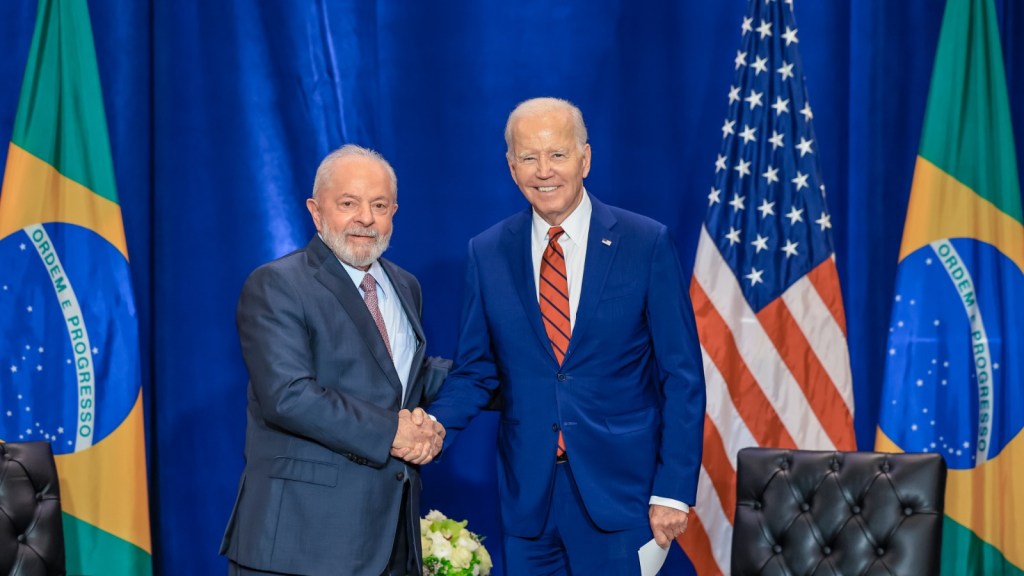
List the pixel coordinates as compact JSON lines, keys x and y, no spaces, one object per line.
{"x":334,"y":277}
{"x":602,"y":244}
{"x":412,"y":313}
{"x":519,"y":249}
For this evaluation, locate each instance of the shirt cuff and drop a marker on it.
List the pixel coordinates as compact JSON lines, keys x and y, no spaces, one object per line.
{"x":670,"y":503}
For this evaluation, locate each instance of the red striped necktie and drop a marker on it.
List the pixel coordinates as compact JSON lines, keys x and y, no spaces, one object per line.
{"x":554,"y":302}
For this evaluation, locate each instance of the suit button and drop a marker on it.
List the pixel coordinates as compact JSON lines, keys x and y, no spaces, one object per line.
{"x":400,"y":476}
{"x":554,"y":427}
{"x":561,"y":377}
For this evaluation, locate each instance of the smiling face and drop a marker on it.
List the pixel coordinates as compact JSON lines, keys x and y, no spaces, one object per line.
{"x":548,"y":163}
{"x":353,"y":210}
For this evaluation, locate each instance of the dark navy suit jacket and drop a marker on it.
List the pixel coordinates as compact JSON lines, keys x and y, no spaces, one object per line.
{"x":629,"y":396}
{"x":320,"y":493}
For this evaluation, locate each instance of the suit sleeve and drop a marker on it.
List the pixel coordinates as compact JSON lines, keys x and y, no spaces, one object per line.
{"x":277,"y":348}
{"x":432,"y":375}
{"x":474,"y":375}
{"x":677,"y":350}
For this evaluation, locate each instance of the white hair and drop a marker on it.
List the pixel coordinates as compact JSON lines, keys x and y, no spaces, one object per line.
{"x":326,"y":169}
{"x":536,"y":106}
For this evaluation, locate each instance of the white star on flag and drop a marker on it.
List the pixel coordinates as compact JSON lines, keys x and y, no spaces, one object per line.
{"x":804,"y":146}
{"x":743,"y":168}
{"x":754,"y":276}
{"x":781,"y":105}
{"x":748,"y":134}
{"x":800,"y":180}
{"x":790,"y":36}
{"x":786,"y":71}
{"x":737,"y":202}
{"x":754,"y":99}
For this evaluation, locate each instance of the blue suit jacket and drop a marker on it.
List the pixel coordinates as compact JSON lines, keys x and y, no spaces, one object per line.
{"x":320,"y":493}
{"x":629,"y":396}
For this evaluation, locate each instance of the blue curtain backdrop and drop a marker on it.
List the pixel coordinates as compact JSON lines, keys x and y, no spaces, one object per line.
{"x":220,"y":111}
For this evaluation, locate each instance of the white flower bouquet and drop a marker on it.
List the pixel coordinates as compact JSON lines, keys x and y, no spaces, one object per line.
{"x":451,"y":550}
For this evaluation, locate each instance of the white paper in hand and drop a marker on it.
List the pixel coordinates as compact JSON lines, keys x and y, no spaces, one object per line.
{"x":652,"y":557}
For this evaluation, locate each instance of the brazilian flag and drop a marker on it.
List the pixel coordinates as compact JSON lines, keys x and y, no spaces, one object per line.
{"x":69,"y":352}
{"x":954,"y":381}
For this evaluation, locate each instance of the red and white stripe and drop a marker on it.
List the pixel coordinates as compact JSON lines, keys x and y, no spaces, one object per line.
{"x":779,"y":377}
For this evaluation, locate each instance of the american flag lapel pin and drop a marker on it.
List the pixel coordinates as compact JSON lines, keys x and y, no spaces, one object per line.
{"x":606,"y":242}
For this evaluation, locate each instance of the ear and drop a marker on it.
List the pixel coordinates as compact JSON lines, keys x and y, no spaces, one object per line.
{"x":586,"y":160}
{"x":314,"y":211}
{"x":512,"y":168}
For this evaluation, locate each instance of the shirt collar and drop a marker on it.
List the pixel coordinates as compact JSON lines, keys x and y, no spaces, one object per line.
{"x":575,"y":224}
{"x":375,"y":270}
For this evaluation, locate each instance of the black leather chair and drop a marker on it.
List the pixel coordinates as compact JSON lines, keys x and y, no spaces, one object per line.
{"x":809,"y":513}
{"x":31,"y":530}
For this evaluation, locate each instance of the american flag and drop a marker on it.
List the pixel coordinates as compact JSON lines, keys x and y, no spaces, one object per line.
{"x":765,"y":288}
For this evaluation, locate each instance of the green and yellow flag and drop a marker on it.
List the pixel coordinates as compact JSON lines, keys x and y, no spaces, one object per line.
{"x":954,"y":381}
{"x":69,"y":352}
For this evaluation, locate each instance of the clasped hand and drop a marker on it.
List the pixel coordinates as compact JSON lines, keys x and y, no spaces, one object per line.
{"x":419,"y":437}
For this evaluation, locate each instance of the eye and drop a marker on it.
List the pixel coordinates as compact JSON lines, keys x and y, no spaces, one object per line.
{"x":380,"y":206}
{"x":346,"y":204}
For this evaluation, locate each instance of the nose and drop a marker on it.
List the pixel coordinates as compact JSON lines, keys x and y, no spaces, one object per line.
{"x":364,"y":216}
{"x":544,"y":167}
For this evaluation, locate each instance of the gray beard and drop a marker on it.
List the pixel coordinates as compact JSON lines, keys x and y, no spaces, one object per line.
{"x":360,"y":257}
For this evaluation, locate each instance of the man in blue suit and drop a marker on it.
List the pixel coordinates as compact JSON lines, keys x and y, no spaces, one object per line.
{"x":576,"y":315}
{"x":332,"y":340}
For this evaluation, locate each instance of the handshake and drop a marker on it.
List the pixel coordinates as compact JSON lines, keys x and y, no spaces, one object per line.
{"x":419,"y":437}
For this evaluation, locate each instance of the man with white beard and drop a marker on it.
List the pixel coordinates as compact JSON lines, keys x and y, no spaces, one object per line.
{"x":332,"y":341}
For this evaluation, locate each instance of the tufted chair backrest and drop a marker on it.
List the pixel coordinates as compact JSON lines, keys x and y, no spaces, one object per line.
{"x":31,"y":531}
{"x":810,"y":513}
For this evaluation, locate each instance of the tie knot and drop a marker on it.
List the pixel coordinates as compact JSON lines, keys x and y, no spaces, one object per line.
{"x":369,"y":283}
{"x":554,"y":233}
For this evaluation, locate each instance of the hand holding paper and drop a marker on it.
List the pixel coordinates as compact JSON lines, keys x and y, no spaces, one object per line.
{"x":652,"y":557}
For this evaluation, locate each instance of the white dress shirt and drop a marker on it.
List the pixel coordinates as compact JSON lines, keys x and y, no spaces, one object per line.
{"x":400,"y":333}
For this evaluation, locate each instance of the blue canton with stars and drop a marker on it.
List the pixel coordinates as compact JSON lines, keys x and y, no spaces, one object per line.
{"x":766,"y":211}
